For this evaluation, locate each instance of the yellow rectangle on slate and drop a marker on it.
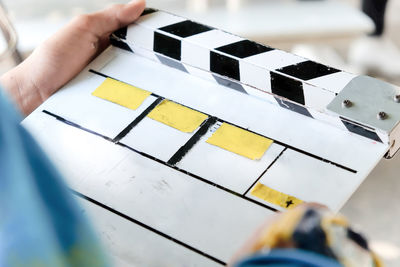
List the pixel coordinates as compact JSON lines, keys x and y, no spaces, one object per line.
{"x":239,"y":141}
{"x":121,"y":93}
{"x":275,"y":197}
{"x":177,"y":116}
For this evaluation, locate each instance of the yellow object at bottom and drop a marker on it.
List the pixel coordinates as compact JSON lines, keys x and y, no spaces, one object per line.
{"x":275,"y":197}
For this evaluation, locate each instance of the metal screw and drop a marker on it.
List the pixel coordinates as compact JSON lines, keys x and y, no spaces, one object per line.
{"x":346,"y":103}
{"x":382,"y":115}
{"x":396,"y":98}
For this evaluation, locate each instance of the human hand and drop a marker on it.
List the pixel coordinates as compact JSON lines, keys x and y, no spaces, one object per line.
{"x":65,"y":54}
{"x":277,"y":230}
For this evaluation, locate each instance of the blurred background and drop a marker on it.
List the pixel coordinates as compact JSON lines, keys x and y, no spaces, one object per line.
{"x":333,"y":32}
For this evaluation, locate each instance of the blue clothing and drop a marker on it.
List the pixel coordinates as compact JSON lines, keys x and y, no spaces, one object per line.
{"x":288,"y":258}
{"x":40,"y":223}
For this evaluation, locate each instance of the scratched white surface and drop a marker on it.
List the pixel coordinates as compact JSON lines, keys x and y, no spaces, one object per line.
{"x":144,"y":248}
{"x":199,"y":214}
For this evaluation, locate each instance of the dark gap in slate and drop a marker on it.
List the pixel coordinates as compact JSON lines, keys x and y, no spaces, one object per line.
{"x":361,"y":131}
{"x":171,"y":63}
{"x":225,"y":66}
{"x":185,"y":28}
{"x":288,"y":88}
{"x":244,"y":49}
{"x":183,"y":150}
{"x":121,"y":33}
{"x":120,"y":44}
{"x":228,"y":83}
{"x":293,"y":107}
{"x":356,"y":123}
{"x":167,"y":46}
{"x":307,"y":70}
{"x":148,"y":10}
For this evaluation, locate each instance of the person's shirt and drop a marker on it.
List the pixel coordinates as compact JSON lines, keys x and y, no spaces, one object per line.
{"x":40,"y":223}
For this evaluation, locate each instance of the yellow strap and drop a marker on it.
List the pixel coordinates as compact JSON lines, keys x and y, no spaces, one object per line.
{"x":121,"y":93}
{"x":177,"y":116}
{"x":239,"y":141}
{"x":275,"y":197}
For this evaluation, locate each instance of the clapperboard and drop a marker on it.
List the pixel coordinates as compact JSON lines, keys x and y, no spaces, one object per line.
{"x":181,"y":139}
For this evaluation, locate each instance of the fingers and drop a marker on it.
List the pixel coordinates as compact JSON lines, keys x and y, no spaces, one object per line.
{"x":104,"y":22}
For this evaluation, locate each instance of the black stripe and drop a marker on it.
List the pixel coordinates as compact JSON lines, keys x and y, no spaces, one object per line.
{"x":148,"y":10}
{"x":121,"y":33}
{"x":120,"y":44}
{"x":244,"y":48}
{"x":261,"y":175}
{"x":137,"y":120}
{"x":185,"y":28}
{"x":167,"y":46}
{"x":287,"y":87}
{"x":307,"y":70}
{"x":361,"y":131}
{"x":177,"y":157}
{"x":276,"y":141}
{"x":225,"y":66}
{"x":147,"y":227}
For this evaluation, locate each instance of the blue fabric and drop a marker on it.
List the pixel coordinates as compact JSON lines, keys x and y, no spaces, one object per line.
{"x":40,"y":223}
{"x":288,"y":258}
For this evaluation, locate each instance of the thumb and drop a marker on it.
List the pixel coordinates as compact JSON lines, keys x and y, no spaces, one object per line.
{"x":106,"y":21}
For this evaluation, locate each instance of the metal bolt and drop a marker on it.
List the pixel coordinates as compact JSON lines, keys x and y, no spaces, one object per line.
{"x":346,"y":103}
{"x":396,"y":98}
{"x":382,"y":115}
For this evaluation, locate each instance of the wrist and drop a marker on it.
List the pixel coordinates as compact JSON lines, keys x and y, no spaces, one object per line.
{"x":20,"y":89}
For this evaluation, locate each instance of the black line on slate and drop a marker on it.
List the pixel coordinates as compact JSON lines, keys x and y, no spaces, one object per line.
{"x":183,"y":150}
{"x":147,"y":227}
{"x":270,"y":165}
{"x":137,"y":120}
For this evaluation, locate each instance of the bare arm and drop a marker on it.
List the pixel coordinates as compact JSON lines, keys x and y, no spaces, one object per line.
{"x":65,"y":54}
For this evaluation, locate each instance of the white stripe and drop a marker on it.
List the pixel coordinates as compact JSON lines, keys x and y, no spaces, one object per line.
{"x":316,"y":98}
{"x":213,"y":39}
{"x":158,"y":19}
{"x":274,"y":59}
{"x":334,"y":82}
{"x":255,"y":76}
